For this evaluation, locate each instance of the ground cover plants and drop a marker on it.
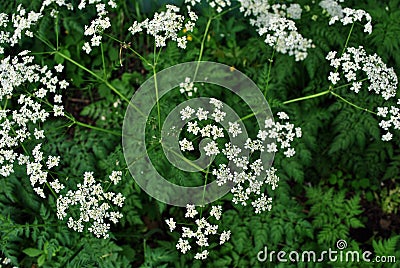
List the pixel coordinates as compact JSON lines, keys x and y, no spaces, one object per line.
{"x":278,"y":120}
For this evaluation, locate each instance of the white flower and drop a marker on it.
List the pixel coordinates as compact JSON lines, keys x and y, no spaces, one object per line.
{"x":334,"y":77}
{"x":216,"y":211}
{"x":193,"y":128}
{"x":59,"y":68}
{"x":115,"y":176}
{"x":58,"y":110}
{"x":183,"y":245}
{"x":224,"y":237}
{"x":53,"y":161}
{"x":190,"y":211}
{"x":86,"y":47}
{"x":186,"y":145}
{"x":202,"y":114}
{"x":186,"y":113}
{"x":217,"y":103}
{"x":211,"y":148}
{"x":39,"y":134}
{"x":202,"y":256}
{"x":234,"y":129}
{"x":387,"y":137}
{"x":171,"y":224}
{"x":58,"y":98}
{"x":218,"y":115}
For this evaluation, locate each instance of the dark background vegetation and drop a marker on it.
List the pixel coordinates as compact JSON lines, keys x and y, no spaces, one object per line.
{"x":343,"y":182}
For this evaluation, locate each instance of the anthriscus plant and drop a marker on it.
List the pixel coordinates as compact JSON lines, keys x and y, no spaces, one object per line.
{"x":68,"y":71}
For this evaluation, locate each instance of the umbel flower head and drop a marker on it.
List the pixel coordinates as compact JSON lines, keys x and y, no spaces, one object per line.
{"x":202,"y":234}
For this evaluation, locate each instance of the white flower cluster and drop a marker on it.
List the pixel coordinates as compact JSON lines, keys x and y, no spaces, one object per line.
{"x":166,"y":25}
{"x":218,"y":5}
{"x":4,"y":261}
{"x":93,"y":205}
{"x":280,"y":31}
{"x":383,"y":80}
{"x":59,"y":3}
{"x":27,"y":109}
{"x":22,"y":111}
{"x":392,"y":117}
{"x":201,"y":233}
{"x":248,"y":176}
{"x":333,"y":8}
{"x":187,"y":87}
{"x":352,"y":15}
{"x":21,"y":22}
{"x":97,"y":25}
{"x":283,"y":133}
{"x":294,"y":11}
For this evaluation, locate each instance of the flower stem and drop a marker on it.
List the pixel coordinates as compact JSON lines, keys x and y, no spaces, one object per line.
{"x":308,"y":97}
{"x":352,"y":104}
{"x":108,"y":84}
{"x":202,"y":46}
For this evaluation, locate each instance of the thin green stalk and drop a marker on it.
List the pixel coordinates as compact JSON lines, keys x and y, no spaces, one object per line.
{"x":74,"y":121}
{"x":308,"y":97}
{"x":102,"y":80}
{"x":352,"y":104}
{"x":226,"y":11}
{"x":202,"y":46}
{"x":104,"y":62}
{"x":349,"y":84}
{"x":204,"y":190}
{"x":156,"y":87}
{"x":185,"y":160}
{"x":56,"y":29}
{"x":269,"y":70}
{"x":347,"y":39}
{"x":131,"y":49}
{"x":50,"y":45}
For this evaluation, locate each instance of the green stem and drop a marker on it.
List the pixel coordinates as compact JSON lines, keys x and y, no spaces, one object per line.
{"x":349,"y":84}
{"x":202,"y":46}
{"x":131,"y":49}
{"x":56,"y":29}
{"x":348,"y":38}
{"x":50,"y":45}
{"x":269,"y":71}
{"x":156,"y":87}
{"x":204,"y":190}
{"x":100,"y":79}
{"x":352,"y":104}
{"x":104,"y":62}
{"x":74,"y":121}
{"x":308,"y":97}
{"x":226,"y":11}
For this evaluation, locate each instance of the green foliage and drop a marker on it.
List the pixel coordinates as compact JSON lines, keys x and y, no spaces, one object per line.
{"x":340,"y":165}
{"x":332,"y":214}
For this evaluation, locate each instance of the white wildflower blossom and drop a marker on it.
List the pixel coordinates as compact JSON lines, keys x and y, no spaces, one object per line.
{"x":201,"y":233}
{"x":93,"y":205}
{"x":186,"y":145}
{"x":115,"y":176}
{"x":187,"y":87}
{"x":165,"y":26}
{"x":171,"y":224}
{"x":225,"y":236}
